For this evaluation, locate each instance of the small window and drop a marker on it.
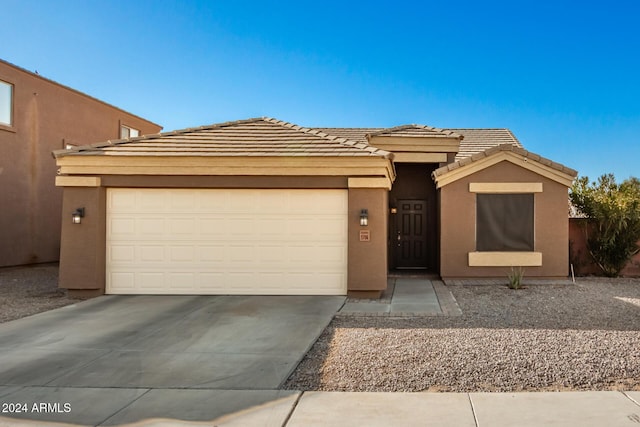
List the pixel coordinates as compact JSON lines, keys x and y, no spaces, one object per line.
{"x":128,"y":132}
{"x":504,"y":222}
{"x":6,"y":104}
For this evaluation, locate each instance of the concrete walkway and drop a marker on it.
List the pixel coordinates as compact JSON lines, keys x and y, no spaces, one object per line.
{"x":181,"y":407}
{"x":407,"y":297}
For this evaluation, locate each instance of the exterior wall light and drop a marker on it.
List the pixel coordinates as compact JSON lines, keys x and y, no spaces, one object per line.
{"x":364,"y":217}
{"x":77,"y":216}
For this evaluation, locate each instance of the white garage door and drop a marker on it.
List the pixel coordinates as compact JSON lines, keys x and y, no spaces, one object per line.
{"x":263,"y":242}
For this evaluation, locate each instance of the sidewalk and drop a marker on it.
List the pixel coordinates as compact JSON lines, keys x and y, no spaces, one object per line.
{"x":165,"y":408}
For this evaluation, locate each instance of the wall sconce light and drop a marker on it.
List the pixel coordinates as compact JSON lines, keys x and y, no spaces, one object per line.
{"x":77,"y":216}
{"x":364,"y":217}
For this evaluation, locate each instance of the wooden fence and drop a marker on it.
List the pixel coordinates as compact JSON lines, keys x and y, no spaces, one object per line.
{"x":581,"y":259}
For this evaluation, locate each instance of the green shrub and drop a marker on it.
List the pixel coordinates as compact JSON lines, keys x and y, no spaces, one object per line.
{"x":515,"y":278}
{"x":613,"y":219}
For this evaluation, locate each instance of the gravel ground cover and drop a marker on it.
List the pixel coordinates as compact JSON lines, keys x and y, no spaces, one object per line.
{"x":545,"y":337}
{"x":25,"y":291}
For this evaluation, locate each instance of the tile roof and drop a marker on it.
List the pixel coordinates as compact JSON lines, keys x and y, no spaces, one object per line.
{"x":253,"y":137}
{"x":503,"y":147}
{"x":479,"y":140}
{"x":416,"y":131}
{"x":271,"y":137}
{"x":474,"y":140}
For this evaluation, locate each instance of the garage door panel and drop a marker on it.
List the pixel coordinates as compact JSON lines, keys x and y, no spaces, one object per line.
{"x":152,"y":254}
{"x":122,"y":201}
{"x":271,"y":254}
{"x":182,"y":280}
{"x":212,"y":227}
{"x":148,"y":228}
{"x":227,"y":241}
{"x":273,"y":228}
{"x":126,"y":281}
{"x":183,"y":201}
{"x":182,"y":228}
{"x":241,"y":205}
{"x":211,"y":254}
{"x":240,"y":280}
{"x":214,"y":205}
{"x":148,"y":202}
{"x":182,"y":254}
{"x":241,"y":228}
{"x":121,"y":253}
{"x":122,"y":227}
{"x":150,"y":281}
{"x":241,"y":255}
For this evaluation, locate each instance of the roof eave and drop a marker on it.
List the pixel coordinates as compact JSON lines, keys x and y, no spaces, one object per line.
{"x":519,"y":156}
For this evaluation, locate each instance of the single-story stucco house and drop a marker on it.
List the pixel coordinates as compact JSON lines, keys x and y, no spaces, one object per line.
{"x":262,"y":206}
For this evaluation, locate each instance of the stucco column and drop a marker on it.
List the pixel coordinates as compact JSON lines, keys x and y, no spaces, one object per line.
{"x":82,"y":246}
{"x":367,"y":266}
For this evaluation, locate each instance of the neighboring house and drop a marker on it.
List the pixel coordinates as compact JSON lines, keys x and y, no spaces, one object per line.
{"x":262,"y":206}
{"x":37,"y":116}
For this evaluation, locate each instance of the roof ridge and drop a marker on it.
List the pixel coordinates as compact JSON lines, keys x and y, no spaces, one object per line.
{"x":477,"y":128}
{"x":446,"y":132}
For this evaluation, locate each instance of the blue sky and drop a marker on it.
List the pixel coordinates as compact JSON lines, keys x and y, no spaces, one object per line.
{"x":564,"y":76}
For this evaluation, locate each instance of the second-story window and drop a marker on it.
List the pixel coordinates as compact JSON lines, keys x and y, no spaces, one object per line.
{"x":6,"y":104}
{"x":128,"y":132}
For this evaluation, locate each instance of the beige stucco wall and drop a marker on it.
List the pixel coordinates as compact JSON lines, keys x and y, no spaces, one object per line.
{"x":367,"y":267}
{"x":457,"y":224}
{"x":83,"y":246}
{"x":46,"y":116}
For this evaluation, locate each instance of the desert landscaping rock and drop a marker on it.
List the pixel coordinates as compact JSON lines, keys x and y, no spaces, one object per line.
{"x":29,"y":290}
{"x":546,"y":337}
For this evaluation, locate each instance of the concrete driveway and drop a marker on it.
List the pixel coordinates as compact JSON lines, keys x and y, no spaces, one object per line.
{"x":117,"y":359}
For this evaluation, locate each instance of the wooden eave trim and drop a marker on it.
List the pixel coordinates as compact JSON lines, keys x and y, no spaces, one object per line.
{"x":418,"y":148}
{"x":415,"y":143}
{"x":250,"y":166}
{"x":419,"y":157}
{"x":395,"y":139}
{"x":510,"y":156}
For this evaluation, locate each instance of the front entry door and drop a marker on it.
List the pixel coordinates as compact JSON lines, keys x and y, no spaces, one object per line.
{"x":411,"y":234}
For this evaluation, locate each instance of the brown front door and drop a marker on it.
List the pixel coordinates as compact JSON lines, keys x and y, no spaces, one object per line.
{"x":411,"y":234}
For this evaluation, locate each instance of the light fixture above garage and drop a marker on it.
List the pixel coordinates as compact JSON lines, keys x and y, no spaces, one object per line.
{"x":364,"y":217}
{"x":77,"y":215}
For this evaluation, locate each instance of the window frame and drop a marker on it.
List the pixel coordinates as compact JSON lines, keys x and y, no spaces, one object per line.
{"x":128,"y":129}
{"x":484,"y":229}
{"x":10,"y":125}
